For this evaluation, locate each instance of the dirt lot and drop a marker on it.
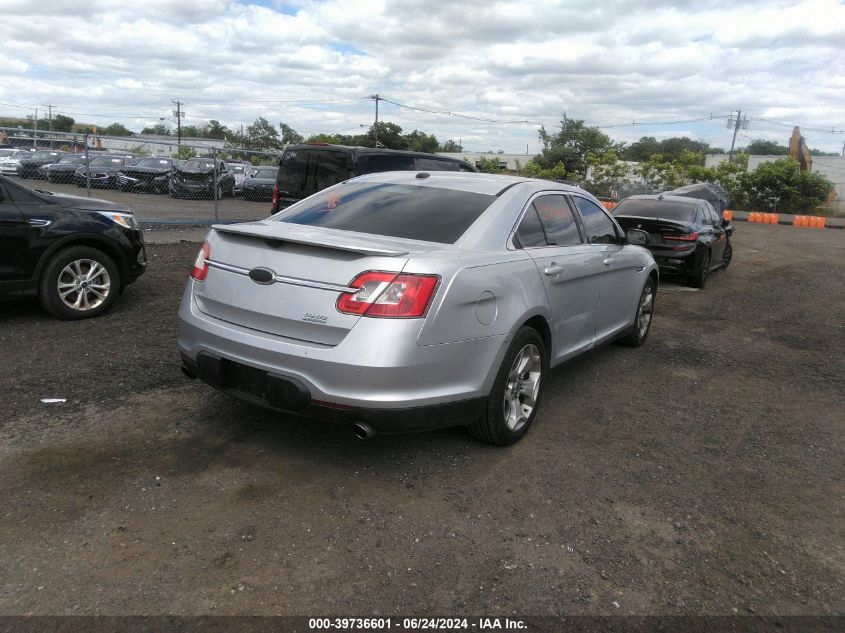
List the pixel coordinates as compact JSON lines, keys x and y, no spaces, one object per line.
{"x":700,"y":474}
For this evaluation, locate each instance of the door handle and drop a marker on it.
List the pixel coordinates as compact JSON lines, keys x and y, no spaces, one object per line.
{"x":553,"y":269}
{"x":608,"y":261}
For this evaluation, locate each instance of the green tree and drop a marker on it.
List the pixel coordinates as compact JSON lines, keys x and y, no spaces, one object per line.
{"x":571,"y":145}
{"x":262,"y":135}
{"x":489,"y":165}
{"x":289,"y":135}
{"x":116,"y":129}
{"x":184,"y":152}
{"x":389,"y":136}
{"x":555,"y":172}
{"x":215,"y":130}
{"x":422,"y":142}
{"x":62,"y":123}
{"x":192,"y":131}
{"x":451,"y":146}
{"x":765,"y":148}
{"x":608,"y":173}
{"x":159,"y":129}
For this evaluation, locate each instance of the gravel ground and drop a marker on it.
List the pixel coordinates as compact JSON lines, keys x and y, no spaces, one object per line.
{"x":700,"y":474}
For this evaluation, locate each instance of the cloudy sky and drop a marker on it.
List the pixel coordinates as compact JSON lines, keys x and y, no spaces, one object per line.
{"x":506,"y":66}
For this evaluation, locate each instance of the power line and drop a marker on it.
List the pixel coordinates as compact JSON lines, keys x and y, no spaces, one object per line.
{"x":830,"y":130}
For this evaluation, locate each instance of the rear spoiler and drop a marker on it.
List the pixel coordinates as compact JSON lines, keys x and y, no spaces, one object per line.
{"x":305,"y":235}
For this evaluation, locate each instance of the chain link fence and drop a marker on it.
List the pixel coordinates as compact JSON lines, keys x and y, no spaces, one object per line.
{"x":162,"y":180}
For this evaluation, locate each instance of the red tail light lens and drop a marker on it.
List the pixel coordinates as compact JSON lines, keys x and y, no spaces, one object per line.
{"x":388,"y":295}
{"x":690,"y":237}
{"x":275,"y":198}
{"x":200,"y":269}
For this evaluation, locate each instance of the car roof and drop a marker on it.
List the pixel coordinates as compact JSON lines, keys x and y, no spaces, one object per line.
{"x":492,"y":184}
{"x":360,"y":149}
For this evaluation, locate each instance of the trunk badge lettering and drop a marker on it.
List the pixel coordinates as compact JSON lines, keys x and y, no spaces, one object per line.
{"x":262,"y":276}
{"x":314,"y":318}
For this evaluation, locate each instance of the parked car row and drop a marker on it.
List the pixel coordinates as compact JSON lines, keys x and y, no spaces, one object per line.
{"x":141,"y":174}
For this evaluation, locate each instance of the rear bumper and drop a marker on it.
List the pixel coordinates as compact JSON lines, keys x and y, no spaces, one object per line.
{"x":288,"y":395}
{"x":675,"y":262}
{"x":378,"y":373}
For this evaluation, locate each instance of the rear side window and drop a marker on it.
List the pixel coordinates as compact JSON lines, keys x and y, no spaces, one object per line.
{"x":432,"y":164}
{"x":414,"y":212}
{"x":530,"y":232}
{"x":371,"y":163}
{"x":304,"y":171}
{"x":599,"y":228}
{"x":558,"y":220}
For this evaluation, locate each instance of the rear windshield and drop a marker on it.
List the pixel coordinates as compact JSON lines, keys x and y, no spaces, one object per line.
{"x":107,"y":161}
{"x":265,"y":172}
{"x":413,"y":212}
{"x":153,"y":163}
{"x":77,"y":159}
{"x":656,"y":209}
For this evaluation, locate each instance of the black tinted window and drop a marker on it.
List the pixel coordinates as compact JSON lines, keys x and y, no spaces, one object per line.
{"x":408,"y":211}
{"x":372,"y":163}
{"x":558,"y":220}
{"x":305,"y":171}
{"x":530,"y":232}
{"x":432,"y":164}
{"x":599,"y":227}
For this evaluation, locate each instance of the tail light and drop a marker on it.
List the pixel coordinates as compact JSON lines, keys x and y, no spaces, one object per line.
{"x":200,"y":269}
{"x":388,"y":295}
{"x":689,"y":237}
{"x":275,"y":198}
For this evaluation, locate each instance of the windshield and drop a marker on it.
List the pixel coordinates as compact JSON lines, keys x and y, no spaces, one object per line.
{"x":107,"y":161}
{"x":414,"y":212}
{"x":72,"y":160}
{"x":265,"y":172}
{"x":237,"y":169}
{"x":154,"y":163}
{"x":653,"y":208}
{"x":5,"y":153}
{"x":43,"y":155}
{"x":198,"y":164}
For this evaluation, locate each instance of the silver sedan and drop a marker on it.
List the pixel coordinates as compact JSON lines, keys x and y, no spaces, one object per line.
{"x":404,"y":301}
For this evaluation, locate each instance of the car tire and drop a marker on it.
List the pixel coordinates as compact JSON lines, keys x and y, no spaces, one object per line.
{"x":642,"y":320}
{"x":699,"y":280}
{"x":510,"y":414}
{"x":727,"y":255}
{"x":232,"y":192}
{"x":63,"y":274}
{"x":219,"y":193}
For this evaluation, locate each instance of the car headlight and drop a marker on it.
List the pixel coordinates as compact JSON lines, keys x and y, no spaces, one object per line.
{"x":126,"y":220}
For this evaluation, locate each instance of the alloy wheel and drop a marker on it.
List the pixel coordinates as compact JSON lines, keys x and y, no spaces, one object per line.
{"x":645,"y":310}
{"x":522,"y":387}
{"x":84,"y":284}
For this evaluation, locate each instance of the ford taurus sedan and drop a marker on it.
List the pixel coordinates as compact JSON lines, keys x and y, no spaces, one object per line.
{"x":405,"y":301}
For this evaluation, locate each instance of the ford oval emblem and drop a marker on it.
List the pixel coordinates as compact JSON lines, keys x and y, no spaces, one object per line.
{"x":262,"y":275}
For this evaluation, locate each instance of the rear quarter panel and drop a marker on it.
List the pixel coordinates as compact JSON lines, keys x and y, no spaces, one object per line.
{"x":480,"y":295}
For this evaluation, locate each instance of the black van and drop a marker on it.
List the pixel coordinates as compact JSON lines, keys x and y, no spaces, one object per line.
{"x":307,"y":168}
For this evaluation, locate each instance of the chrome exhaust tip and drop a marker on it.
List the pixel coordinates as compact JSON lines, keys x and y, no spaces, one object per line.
{"x":363,"y":431}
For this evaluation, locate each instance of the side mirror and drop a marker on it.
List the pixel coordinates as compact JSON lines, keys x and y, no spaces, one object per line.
{"x":636,"y":237}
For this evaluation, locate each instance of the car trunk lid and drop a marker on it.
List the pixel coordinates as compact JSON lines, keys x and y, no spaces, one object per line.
{"x":658,"y":229}
{"x":309,"y":267}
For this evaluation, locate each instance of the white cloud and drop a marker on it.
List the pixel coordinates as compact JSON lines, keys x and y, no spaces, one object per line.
{"x":607,"y":63}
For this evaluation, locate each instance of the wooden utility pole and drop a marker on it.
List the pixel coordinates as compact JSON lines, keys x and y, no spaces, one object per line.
{"x":50,"y":121}
{"x":736,"y":129}
{"x":376,"y":98}
{"x":178,"y":115}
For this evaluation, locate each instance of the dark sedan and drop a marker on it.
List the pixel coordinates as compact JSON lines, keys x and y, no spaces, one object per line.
{"x":686,"y":236}
{"x":260,"y":184}
{"x":196,"y":179}
{"x":75,"y":254}
{"x":151,"y":175}
{"x":32,"y":164}
{"x":64,"y":168}
{"x":102,"y":171}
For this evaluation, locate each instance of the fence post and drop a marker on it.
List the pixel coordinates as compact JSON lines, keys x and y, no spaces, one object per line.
{"x":214,"y":191}
{"x":87,"y":172}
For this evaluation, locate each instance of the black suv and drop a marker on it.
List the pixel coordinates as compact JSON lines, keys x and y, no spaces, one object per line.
{"x":76,"y":254}
{"x":310,"y":167}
